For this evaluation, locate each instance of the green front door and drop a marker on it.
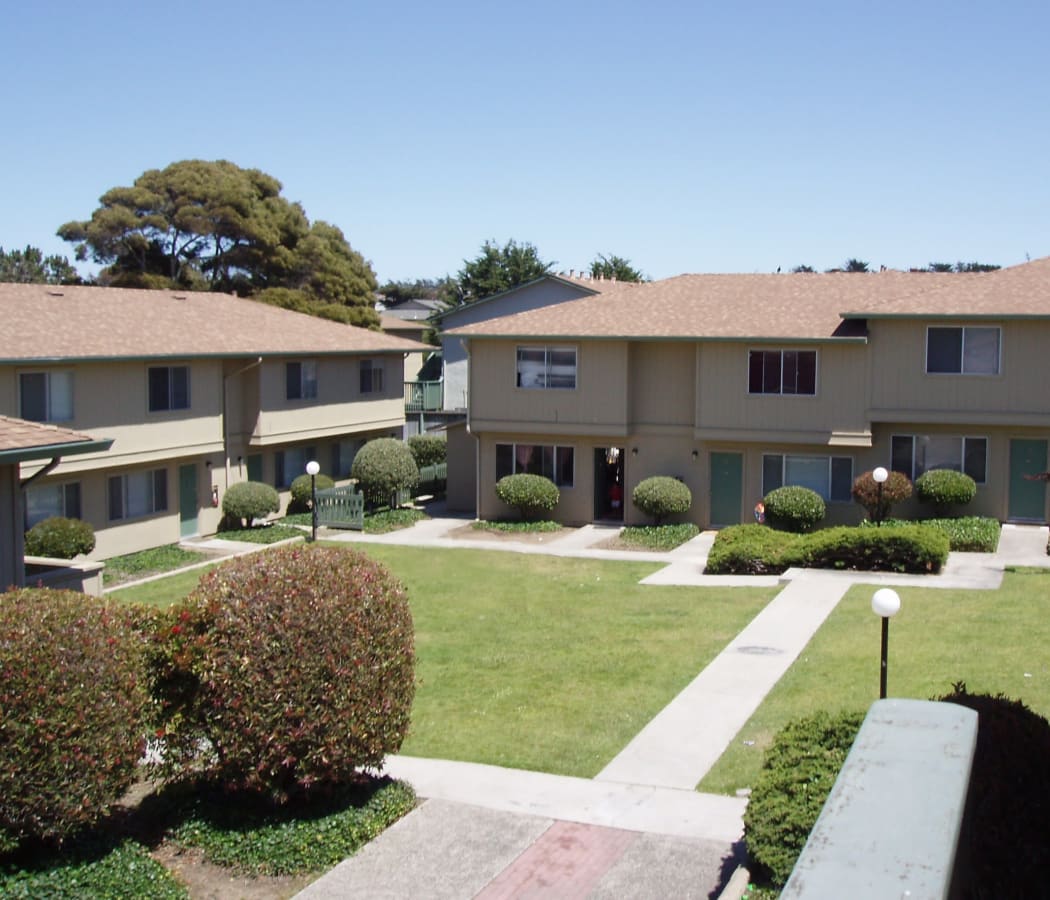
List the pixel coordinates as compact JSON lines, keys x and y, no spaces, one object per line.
{"x":727,"y":483}
{"x":1027,"y":496}
{"x":188,"y":507}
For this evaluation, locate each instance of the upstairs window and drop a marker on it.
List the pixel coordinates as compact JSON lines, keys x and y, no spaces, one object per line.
{"x":962,"y":351}
{"x":782,"y":372}
{"x":914,"y":454}
{"x":371,"y":376}
{"x":300,"y":379}
{"x":547,"y":368}
{"x":169,"y":388}
{"x":45,"y":396}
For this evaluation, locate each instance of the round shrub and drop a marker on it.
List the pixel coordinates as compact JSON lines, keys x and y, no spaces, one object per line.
{"x":1005,"y":842}
{"x":248,"y":500}
{"x":944,"y":488}
{"x":661,"y":496}
{"x":295,"y":667}
{"x":797,"y":775}
{"x":383,"y":467}
{"x":793,"y":508}
{"x":428,"y":449}
{"x":302,"y":496}
{"x":895,"y":489}
{"x":530,"y":495}
{"x":73,"y":705}
{"x":60,"y":538}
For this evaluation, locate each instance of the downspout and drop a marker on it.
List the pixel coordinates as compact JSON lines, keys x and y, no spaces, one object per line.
{"x":225,"y":418}
{"x":477,"y":440}
{"x":50,"y":467}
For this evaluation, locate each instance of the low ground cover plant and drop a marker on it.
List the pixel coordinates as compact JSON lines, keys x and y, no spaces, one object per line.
{"x":793,"y":508}
{"x":530,"y":495}
{"x":661,"y":496}
{"x":534,"y":526}
{"x":659,"y":537}
{"x":73,"y":706}
{"x":269,"y":534}
{"x":60,"y":538}
{"x":149,"y":562}
{"x":755,"y":550}
{"x":295,"y":666}
{"x":967,"y":534}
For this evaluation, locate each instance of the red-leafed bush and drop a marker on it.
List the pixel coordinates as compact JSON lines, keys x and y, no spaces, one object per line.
{"x":286,"y":671}
{"x":73,"y":704}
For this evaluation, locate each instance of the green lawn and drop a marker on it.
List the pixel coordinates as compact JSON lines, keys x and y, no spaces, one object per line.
{"x":164,"y":591}
{"x":995,"y":641}
{"x":551,"y":664}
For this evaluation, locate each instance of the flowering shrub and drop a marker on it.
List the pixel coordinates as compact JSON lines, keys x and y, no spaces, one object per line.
{"x":661,"y":496}
{"x":530,"y":495}
{"x":295,"y":667}
{"x":60,"y":538}
{"x":73,"y":703}
{"x":249,"y":500}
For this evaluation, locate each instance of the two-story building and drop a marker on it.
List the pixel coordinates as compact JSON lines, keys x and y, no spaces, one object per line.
{"x":738,"y":384}
{"x":196,"y":391}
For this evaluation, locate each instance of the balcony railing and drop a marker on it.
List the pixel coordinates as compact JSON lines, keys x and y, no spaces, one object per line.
{"x":423,"y":396}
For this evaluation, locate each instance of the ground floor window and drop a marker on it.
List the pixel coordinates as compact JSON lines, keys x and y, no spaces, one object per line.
{"x":549,"y":460}
{"x":49,"y":500}
{"x":829,"y":476}
{"x":290,"y":463}
{"x":343,"y":453}
{"x":914,"y":454}
{"x":137,"y":494}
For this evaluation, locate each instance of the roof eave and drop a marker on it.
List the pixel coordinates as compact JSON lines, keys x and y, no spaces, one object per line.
{"x":50,"y":451}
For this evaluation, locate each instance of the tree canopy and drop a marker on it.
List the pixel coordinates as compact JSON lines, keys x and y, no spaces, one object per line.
{"x":617,"y":267}
{"x":30,"y":266}
{"x":496,"y":269}
{"x":202,"y":225}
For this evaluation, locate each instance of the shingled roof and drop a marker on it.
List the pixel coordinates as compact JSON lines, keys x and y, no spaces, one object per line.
{"x":43,"y":322}
{"x":798,"y":307}
{"x":21,"y":440}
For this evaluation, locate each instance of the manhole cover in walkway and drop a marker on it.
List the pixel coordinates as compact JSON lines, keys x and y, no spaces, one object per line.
{"x":759,"y":651}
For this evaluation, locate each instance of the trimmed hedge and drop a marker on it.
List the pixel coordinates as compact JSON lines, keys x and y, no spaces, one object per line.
{"x":302,"y":491}
{"x":530,"y":495}
{"x":968,"y":534}
{"x":384,"y":467}
{"x":73,"y":705}
{"x":755,"y":550}
{"x":895,"y":489}
{"x":794,"y":508}
{"x":428,"y":449}
{"x":945,"y":488}
{"x":248,"y":500}
{"x":295,"y":666}
{"x":799,"y":771}
{"x":661,"y":496}
{"x":60,"y":538}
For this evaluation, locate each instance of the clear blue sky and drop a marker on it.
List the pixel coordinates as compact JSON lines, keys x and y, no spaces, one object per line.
{"x":687,"y":137}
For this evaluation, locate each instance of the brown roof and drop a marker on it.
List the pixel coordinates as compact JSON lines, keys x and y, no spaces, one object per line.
{"x":78,"y":322}
{"x":18,"y":434}
{"x":777,"y":307}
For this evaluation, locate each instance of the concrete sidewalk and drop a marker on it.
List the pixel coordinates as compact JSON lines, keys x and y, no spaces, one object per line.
{"x":639,"y":829}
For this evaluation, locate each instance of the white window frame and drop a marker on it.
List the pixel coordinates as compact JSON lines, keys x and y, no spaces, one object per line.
{"x":963,"y":369}
{"x":542,"y":375}
{"x":554,"y":475}
{"x":828,"y":460}
{"x":918,"y":467}
{"x":54,"y":409}
{"x":307,"y":381}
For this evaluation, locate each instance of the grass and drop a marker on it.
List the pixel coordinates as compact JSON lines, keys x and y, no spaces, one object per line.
{"x":995,"y":641}
{"x":162,"y":592}
{"x":659,"y":537}
{"x":148,"y":562}
{"x":550,"y":664}
{"x":518,"y":526}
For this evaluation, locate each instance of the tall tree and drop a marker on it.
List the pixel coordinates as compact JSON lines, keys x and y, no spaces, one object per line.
{"x":613,"y":266}
{"x":496,"y":269}
{"x":803,"y":269}
{"x":30,"y":266}
{"x":206,"y":225}
{"x":855,"y":265}
{"x":975,"y":267}
{"x":420,"y":289}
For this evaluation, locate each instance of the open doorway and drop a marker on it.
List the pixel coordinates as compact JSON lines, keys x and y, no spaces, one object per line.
{"x":608,"y":484}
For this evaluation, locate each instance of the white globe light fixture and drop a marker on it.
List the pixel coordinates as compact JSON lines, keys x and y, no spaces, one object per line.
{"x":879,"y":476}
{"x":312,"y":468}
{"x":885,"y":603}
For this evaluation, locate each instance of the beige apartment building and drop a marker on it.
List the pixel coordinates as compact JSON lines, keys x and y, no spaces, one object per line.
{"x":738,"y":384}
{"x":196,"y":391}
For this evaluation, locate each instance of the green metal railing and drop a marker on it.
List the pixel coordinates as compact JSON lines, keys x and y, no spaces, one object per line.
{"x":423,"y":396}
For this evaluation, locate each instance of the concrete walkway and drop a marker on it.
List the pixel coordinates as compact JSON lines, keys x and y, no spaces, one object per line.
{"x":638,"y":829}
